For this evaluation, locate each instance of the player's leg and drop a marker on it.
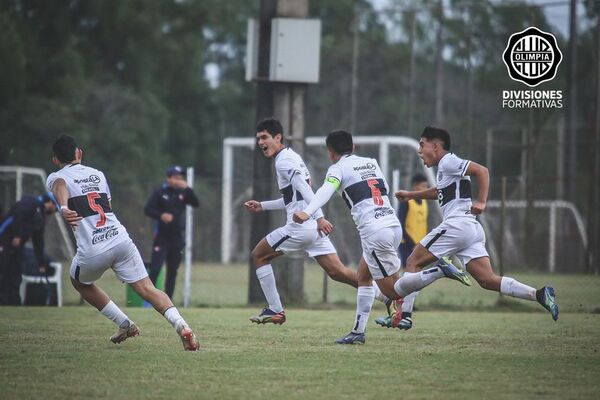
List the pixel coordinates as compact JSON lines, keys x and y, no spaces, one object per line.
{"x":130,"y":268}
{"x":364,"y":302}
{"x":334,"y":267}
{"x":174,"y":252}
{"x":262,"y":255}
{"x":83,"y":275}
{"x":481,"y":270}
{"x":159,"y":251}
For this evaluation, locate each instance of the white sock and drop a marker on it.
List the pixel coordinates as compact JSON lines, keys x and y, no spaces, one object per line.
{"x":114,"y":313}
{"x":414,"y":281}
{"x":409,"y":302}
{"x":175,"y":319}
{"x":379,"y":294}
{"x":511,"y":287}
{"x":267,"y":283}
{"x":364,"y":302}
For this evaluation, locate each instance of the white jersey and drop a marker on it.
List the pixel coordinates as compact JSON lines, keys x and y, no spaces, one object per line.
{"x":89,"y":195}
{"x":288,"y":165}
{"x":454,"y":187}
{"x":365,"y":191}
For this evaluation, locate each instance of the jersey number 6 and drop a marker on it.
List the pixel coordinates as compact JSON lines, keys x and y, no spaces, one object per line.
{"x":92,"y":197}
{"x":375,"y":192}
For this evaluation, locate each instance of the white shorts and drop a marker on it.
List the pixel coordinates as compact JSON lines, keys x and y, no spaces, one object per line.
{"x":380,"y":251}
{"x":292,"y":238}
{"x":124,"y":259}
{"x":463,"y":237}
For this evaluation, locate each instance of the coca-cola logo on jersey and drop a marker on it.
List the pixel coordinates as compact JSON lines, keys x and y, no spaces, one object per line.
{"x":382,"y":212}
{"x":100,"y":235}
{"x":95,"y":179}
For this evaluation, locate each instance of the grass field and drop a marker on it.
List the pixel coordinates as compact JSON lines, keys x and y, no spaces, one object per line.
{"x":65,"y":354}
{"x":462,"y":346}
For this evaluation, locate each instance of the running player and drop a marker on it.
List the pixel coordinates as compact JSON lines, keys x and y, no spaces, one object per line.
{"x":102,"y":243}
{"x":460,"y":233}
{"x":364,"y":189}
{"x":293,"y":180}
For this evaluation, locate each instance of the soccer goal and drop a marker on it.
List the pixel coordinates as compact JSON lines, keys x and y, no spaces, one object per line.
{"x":398,"y":159}
{"x":17,"y":181}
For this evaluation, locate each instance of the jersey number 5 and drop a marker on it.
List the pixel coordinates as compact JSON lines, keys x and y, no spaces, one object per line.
{"x":375,"y":192}
{"x":92,"y":197}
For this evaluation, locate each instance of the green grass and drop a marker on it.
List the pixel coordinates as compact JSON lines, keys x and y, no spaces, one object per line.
{"x":65,"y":353}
{"x":215,"y":285}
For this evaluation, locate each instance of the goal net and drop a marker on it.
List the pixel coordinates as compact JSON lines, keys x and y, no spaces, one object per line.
{"x":16,"y":182}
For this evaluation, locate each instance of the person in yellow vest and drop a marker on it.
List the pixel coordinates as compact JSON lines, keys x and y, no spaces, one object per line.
{"x":413,"y":216}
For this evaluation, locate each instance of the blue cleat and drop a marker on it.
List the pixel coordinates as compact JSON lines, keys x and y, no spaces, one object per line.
{"x":352,"y":338}
{"x":545,"y":296}
{"x":269,"y":316}
{"x":453,"y":272}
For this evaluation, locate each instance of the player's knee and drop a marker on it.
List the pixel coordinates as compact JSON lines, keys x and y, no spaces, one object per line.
{"x":258,"y":258}
{"x":411,"y":264}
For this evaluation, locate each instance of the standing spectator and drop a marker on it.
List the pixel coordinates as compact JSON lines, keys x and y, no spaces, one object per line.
{"x":166,"y":205}
{"x":26,"y":219}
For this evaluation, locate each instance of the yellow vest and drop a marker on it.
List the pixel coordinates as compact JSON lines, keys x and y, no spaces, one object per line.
{"x":416,"y":220}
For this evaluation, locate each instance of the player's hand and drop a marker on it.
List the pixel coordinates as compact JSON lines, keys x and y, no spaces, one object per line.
{"x":402,"y":195}
{"x":166,"y":217}
{"x":71,"y":217}
{"x":324,"y":227}
{"x":477,"y":208}
{"x":16,"y":242}
{"x":253,"y":206}
{"x":301,"y":217}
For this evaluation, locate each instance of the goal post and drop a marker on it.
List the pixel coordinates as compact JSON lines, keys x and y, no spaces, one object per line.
{"x":373,"y":146}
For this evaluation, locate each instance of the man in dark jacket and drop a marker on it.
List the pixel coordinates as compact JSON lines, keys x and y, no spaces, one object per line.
{"x":167,"y":205}
{"x":26,"y":219}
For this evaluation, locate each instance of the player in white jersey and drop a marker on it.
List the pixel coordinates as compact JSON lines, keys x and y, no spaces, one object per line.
{"x":364,"y":189}
{"x":102,"y":243}
{"x":460,"y":233}
{"x":293,"y":179}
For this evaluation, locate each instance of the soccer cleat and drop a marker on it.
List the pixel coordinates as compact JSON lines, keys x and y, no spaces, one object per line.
{"x":453,"y":272}
{"x":188,"y":338}
{"x":404,"y":324}
{"x":126,"y":330}
{"x":269,"y":316}
{"x":545,"y":296}
{"x":352,"y":338}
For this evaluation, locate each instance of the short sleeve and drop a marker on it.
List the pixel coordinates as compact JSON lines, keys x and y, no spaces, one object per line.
{"x":453,"y":165}
{"x":334,"y":172}
{"x":287,"y":169}
{"x":51,"y":179}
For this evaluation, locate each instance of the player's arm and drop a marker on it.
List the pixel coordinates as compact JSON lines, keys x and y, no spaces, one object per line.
{"x":258,"y":206}
{"x":300,"y":185}
{"x":320,"y":198}
{"x":427,"y":194}
{"x":482,"y":176}
{"x":59,"y":188}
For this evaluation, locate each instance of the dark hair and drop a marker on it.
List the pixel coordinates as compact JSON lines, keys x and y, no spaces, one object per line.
{"x":270,"y":125}
{"x":340,"y":141}
{"x":418,"y":178}
{"x":433,"y":132}
{"x":64,"y":148}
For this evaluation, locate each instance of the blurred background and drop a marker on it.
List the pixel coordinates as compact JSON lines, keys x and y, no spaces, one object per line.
{"x":143,"y":85}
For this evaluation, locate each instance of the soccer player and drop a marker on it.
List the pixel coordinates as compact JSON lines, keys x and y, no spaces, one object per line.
{"x":364,"y":189}
{"x":460,"y":233}
{"x":102,"y":243}
{"x":293,"y":179}
{"x":413,"y":216}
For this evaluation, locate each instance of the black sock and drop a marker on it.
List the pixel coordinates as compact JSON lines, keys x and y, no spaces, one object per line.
{"x":539,"y":295}
{"x":406,"y":315}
